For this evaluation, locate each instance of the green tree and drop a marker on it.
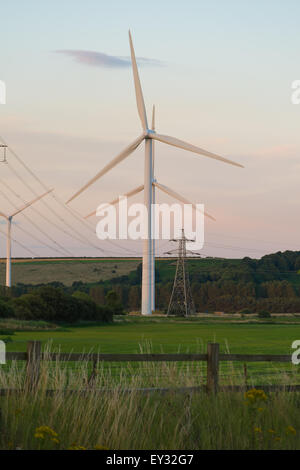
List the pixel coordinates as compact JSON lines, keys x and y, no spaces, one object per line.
{"x":114,"y":303}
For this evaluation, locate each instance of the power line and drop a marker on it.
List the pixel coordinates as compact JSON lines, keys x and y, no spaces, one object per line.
{"x":20,"y":244}
{"x":61,"y":248}
{"x":268,"y":242}
{"x":52,"y":211}
{"x":85,"y":222}
{"x":61,"y":203}
{"x":235,"y":248}
{"x":79,"y":237}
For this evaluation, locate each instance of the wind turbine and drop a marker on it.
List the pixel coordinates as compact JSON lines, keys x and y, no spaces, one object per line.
{"x":153,"y":220}
{"x":8,"y":239}
{"x":149,"y":136}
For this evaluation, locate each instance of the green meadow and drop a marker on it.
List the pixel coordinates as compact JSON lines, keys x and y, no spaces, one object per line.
{"x":34,"y":420}
{"x":127,"y":333}
{"x":135,"y":334}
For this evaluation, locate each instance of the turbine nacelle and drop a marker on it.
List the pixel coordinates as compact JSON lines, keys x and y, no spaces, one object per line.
{"x":149,"y":134}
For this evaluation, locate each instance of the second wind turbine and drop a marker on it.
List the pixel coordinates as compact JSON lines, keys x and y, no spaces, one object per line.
{"x":148,"y":136}
{"x":9,"y":219}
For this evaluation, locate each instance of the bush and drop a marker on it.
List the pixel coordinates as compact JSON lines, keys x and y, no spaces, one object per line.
{"x":30,"y":307}
{"x":7,"y":340}
{"x":113,"y":303}
{"x":264,"y":314}
{"x":89,"y":310}
{"x":6,"y":310}
{"x":245,"y":311}
{"x":59,"y":306}
{"x":7,"y":332}
{"x":53,"y":304}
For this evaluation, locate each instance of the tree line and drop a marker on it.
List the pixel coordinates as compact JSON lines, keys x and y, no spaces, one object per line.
{"x":54,"y":304}
{"x":271,"y":283}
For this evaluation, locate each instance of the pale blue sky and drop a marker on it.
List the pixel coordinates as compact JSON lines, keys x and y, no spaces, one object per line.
{"x":225,"y":85}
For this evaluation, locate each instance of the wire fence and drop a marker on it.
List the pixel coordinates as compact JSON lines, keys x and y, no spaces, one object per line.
{"x":210,"y":371}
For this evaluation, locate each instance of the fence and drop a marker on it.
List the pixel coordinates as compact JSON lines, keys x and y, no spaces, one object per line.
{"x":34,"y":356}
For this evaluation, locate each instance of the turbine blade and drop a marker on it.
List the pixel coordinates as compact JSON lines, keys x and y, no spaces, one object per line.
{"x":3,"y":215}
{"x":153,"y":118}
{"x":138,"y":89}
{"x":174,"y":194}
{"x":192,"y":148}
{"x":30,"y":203}
{"x":153,"y":150}
{"x":115,"y":201}
{"x":125,"y":153}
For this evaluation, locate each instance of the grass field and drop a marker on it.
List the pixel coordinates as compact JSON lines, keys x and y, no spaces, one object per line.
{"x":171,"y":335}
{"x":36,"y":271}
{"x":153,"y":421}
{"x":133,"y":334}
{"x":108,"y":418}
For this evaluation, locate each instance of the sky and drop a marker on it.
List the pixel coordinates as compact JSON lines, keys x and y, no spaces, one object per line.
{"x":220,"y":74}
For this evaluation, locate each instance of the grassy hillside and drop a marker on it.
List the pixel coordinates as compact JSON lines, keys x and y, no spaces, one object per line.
{"x":67,"y":271}
{"x":92,"y":270}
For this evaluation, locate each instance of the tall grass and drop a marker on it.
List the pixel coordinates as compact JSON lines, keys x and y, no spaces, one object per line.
{"x":111,"y":411}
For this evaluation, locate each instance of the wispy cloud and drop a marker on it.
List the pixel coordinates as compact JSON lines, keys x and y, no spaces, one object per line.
{"x":99,"y":59}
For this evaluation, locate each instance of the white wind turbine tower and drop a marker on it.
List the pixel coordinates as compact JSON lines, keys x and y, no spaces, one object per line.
{"x":153,"y":220}
{"x":148,"y":135}
{"x":8,"y":239}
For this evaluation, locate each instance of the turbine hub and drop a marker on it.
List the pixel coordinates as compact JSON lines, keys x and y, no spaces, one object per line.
{"x":148,"y":133}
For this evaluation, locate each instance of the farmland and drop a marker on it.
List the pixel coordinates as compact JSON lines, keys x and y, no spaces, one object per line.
{"x":239,"y":335}
{"x":192,"y":421}
{"x":67,"y":271}
{"x":34,"y":420}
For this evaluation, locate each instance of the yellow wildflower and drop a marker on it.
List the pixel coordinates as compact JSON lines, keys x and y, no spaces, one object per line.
{"x":99,"y":447}
{"x":290,"y":430}
{"x":75,"y":447}
{"x":257,"y":430}
{"x":46,"y":431}
{"x":254,"y":398}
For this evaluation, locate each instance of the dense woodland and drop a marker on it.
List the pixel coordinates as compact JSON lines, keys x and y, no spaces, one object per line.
{"x":271,"y":283}
{"x":55,"y":305}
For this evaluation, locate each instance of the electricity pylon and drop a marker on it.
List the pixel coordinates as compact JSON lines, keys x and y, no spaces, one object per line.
{"x":181,"y":301}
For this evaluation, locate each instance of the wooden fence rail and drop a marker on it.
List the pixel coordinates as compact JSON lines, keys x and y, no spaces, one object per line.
{"x":34,"y":356}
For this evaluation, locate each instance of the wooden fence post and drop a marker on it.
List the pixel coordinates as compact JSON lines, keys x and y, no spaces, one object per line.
{"x":33,"y":363}
{"x":212,"y":367}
